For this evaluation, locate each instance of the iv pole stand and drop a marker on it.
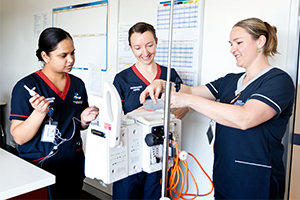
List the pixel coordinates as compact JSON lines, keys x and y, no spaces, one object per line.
{"x":167,"y":113}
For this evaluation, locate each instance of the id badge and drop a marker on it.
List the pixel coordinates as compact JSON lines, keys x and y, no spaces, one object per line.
{"x":209,"y":132}
{"x":49,"y":131}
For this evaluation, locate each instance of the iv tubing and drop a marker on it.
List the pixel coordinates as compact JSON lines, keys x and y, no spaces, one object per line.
{"x":176,"y":171}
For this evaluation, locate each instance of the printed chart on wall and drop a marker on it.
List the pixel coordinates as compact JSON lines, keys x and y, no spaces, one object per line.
{"x":87,"y":24}
{"x":186,"y":36}
{"x":125,"y":56}
{"x":185,"y":44}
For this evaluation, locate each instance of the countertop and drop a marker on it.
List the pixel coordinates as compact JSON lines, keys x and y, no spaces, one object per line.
{"x":18,"y":176}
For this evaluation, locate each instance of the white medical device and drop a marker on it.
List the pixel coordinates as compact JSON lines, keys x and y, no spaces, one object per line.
{"x":118,"y":146}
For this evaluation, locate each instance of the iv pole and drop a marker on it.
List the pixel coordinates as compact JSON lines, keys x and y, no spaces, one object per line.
{"x":167,"y":112}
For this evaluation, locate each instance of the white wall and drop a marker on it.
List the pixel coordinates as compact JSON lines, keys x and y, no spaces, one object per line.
{"x":18,"y":47}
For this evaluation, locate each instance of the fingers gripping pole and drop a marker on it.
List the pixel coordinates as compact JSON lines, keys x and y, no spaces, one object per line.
{"x":167,"y":111}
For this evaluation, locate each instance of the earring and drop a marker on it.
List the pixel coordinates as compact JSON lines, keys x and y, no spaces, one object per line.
{"x":258,"y":51}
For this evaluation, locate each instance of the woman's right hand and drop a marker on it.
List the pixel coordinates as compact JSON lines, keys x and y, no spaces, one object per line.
{"x":39,"y":103}
{"x":153,"y":90}
{"x":24,"y":131}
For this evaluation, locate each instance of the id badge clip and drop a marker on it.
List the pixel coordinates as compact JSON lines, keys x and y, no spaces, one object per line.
{"x":49,"y":131}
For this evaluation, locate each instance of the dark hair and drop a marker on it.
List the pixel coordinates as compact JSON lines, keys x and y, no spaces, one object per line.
{"x":256,"y":27}
{"x":141,"y":27}
{"x":49,"y":39}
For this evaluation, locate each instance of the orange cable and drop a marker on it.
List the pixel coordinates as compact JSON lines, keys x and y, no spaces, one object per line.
{"x":176,"y":174}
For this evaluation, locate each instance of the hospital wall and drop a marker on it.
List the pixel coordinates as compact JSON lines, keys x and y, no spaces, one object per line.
{"x":0,"y":51}
{"x":18,"y":46}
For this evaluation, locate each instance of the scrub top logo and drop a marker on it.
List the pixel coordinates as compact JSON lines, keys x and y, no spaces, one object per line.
{"x":77,"y":98}
{"x":136,"y":88}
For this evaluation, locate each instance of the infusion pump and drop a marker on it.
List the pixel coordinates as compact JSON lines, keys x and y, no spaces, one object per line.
{"x":118,"y":146}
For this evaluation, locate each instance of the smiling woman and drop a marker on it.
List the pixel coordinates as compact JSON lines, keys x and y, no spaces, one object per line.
{"x":129,"y":84}
{"x":252,"y":41}
{"x":251,"y":109}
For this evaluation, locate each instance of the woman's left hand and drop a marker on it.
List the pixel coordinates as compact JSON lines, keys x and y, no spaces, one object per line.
{"x":180,"y":112}
{"x":88,"y":115}
{"x":177,"y":99}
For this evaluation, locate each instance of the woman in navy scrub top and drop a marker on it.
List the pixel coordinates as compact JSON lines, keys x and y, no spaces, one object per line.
{"x":130,"y":83}
{"x":251,"y":109}
{"x":46,"y":125}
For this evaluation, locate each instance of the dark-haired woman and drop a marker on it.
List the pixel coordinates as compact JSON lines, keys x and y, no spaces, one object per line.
{"x":46,"y":123}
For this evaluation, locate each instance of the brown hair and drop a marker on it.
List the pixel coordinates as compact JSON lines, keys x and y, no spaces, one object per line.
{"x":141,"y":27}
{"x":256,"y":27}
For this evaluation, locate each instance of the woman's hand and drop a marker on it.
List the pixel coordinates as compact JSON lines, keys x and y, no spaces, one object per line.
{"x":24,"y":131}
{"x":40,"y":104}
{"x":177,"y":100}
{"x":153,"y":90}
{"x":88,"y":115}
{"x":180,"y":112}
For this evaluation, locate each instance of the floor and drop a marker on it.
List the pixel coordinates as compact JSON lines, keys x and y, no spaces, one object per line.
{"x":86,"y":196}
{"x":90,"y":192}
